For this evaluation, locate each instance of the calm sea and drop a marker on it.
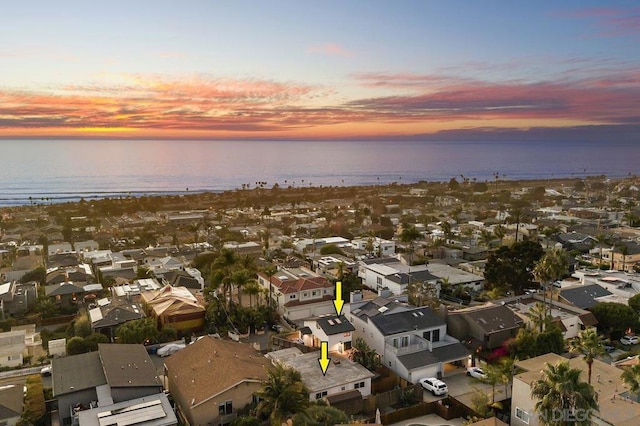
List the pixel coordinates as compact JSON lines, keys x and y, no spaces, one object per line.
{"x":65,"y":170}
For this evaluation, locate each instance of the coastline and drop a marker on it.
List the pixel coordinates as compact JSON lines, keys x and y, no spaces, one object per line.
{"x":197,"y":197}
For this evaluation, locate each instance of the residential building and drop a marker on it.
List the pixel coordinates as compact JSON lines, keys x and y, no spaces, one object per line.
{"x":381,"y":248}
{"x":133,"y":291}
{"x":487,"y":326}
{"x":299,"y":293}
{"x":175,"y":307}
{"x":412,"y":342}
{"x":342,"y":375}
{"x":152,"y":410}
{"x":66,"y":294}
{"x":13,"y":348}
{"x":571,"y":319}
{"x":616,"y":405}
{"x":110,"y":314}
{"x":394,"y":275}
{"x":456,"y":277}
{"x":113,"y":374}
{"x":583,"y":296}
{"x":336,"y":331}
{"x":11,"y":404}
{"x":211,"y":379}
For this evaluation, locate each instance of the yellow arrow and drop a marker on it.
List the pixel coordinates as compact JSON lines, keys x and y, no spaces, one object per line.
{"x":338,"y":302}
{"x":324,"y":360}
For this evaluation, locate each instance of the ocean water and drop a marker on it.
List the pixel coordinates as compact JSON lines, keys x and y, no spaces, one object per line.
{"x":64,"y":170}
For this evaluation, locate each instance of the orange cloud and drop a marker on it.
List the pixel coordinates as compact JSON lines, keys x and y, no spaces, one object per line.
{"x":330,"y":49}
{"x":206,"y":107}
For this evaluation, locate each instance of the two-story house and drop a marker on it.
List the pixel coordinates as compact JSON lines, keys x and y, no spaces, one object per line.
{"x":392,"y":274}
{"x":298,"y":293}
{"x":113,"y":374}
{"x":337,"y":331}
{"x":413,"y":342}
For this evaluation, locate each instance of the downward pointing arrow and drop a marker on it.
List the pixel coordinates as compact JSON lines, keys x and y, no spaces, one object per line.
{"x":338,"y":302}
{"x":324,"y":360}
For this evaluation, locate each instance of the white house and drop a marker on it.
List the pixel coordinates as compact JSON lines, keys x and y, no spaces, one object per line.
{"x":392,"y":274}
{"x":381,"y":247}
{"x":337,"y":331}
{"x":413,"y":342}
{"x":342,"y":374}
{"x":12,"y":348}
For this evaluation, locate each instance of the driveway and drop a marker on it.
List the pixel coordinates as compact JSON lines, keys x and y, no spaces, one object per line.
{"x":463,"y":388}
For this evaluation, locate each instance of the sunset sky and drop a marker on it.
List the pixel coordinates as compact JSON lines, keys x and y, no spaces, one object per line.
{"x":267,"y":69}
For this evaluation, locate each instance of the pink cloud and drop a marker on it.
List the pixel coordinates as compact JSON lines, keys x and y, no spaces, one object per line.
{"x":330,"y":49}
{"x":608,"y":21}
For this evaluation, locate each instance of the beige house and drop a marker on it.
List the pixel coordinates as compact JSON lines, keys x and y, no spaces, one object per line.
{"x":211,"y":379}
{"x":13,"y":348}
{"x":616,"y":405}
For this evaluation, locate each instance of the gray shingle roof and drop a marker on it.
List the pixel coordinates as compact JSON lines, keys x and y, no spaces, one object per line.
{"x":583,"y":296}
{"x":335,"y":325}
{"x":77,"y":372}
{"x":414,"y":319}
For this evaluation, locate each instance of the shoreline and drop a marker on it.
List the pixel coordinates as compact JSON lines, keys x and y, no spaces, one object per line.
{"x":193,"y":195}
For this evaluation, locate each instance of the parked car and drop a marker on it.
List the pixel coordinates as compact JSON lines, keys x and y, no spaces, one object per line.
{"x":476,"y":372}
{"x":277,"y":328}
{"x":170,"y":349}
{"x":609,"y":348}
{"x":46,"y":370}
{"x":630,"y":340}
{"x":435,"y":386}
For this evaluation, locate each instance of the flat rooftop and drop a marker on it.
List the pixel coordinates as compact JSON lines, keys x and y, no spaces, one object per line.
{"x":341,"y":370}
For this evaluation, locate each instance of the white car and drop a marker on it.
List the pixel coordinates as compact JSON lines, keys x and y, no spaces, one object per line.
{"x":46,"y":370}
{"x":435,"y":386}
{"x":476,"y":372}
{"x":170,"y":349}
{"x":630,"y":340}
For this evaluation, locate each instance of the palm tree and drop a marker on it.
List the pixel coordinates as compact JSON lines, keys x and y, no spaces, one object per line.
{"x":560,"y":390}
{"x":486,"y":237}
{"x":270,"y":271}
{"x":552,"y":266}
{"x":222,"y":269}
{"x":446,"y":230}
{"x":499,"y":231}
{"x":539,"y":316}
{"x":631,"y":377}
{"x":409,"y":235}
{"x":242,"y":278}
{"x":252,"y":289}
{"x":624,"y":251}
{"x":589,"y":344}
{"x":283,"y":395}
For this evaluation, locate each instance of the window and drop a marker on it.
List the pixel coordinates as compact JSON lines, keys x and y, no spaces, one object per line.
{"x":321,"y":394}
{"x":427,"y":335}
{"x":522,"y":415}
{"x":395,"y":343}
{"x":225,"y":408}
{"x":314,"y":293}
{"x":405,"y":341}
{"x":293,"y":296}
{"x":435,"y":335}
{"x":358,"y":385}
{"x":305,"y":294}
{"x":379,"y":280}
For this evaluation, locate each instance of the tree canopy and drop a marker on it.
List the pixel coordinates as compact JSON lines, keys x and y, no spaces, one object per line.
{"x":615,"y":318}
{"x":510,"y":268}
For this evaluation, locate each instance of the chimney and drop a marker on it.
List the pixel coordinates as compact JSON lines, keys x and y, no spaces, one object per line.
{"x":356,"y":296}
